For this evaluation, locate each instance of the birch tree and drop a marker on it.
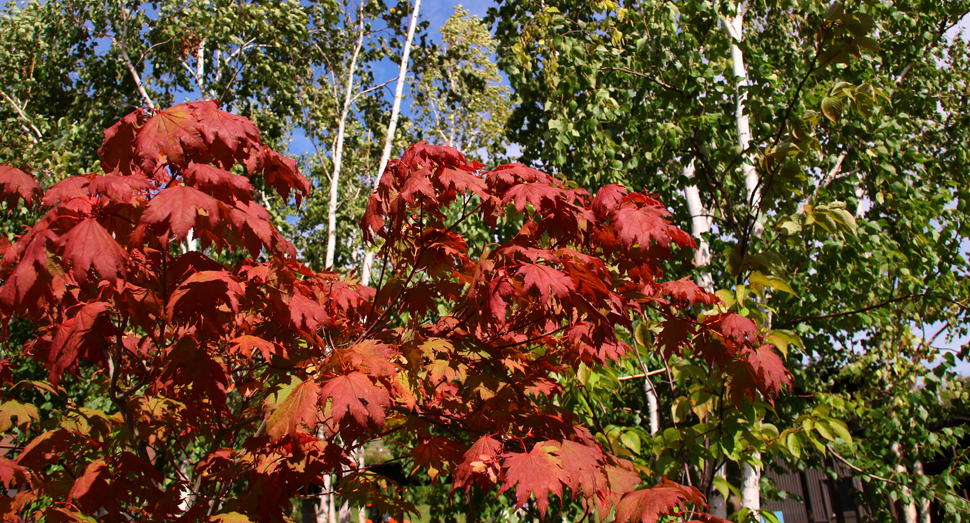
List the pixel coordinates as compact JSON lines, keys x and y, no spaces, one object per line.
{"x":460,"y":100}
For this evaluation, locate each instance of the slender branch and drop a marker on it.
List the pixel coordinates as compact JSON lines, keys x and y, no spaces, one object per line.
{"x":36,"y":135}
{"x":131,"y":67}
{"x":370,"y":89}
{"x":825,"y":181}
{"x":113,"y":360}
{"x":653,"y":79}
{"x":847,"y":313}
{"x":645,"y":375}
{"x":945,"y":26}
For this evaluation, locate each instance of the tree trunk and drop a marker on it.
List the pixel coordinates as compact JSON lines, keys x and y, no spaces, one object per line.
{"x":395,"y":113}
{"x":906,"y":510}
{"x":338,"y":152}
{"x":734,"y":28}
{"x":717,"y":502}
{"x":750,"y":474}
{"x":700,"y":225}
{"x":751,"y":485}
{"x":923,"y":503}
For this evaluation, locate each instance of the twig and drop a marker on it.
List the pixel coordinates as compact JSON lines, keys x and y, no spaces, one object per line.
{"x":20,"y":112}
{"x":639,"y":376}
{"x":931,"y":44}
{"x":856,"y":311}
{"x":131,"y":67}
{"x":661,"y":83}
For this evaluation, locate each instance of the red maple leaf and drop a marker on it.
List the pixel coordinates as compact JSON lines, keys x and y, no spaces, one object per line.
{"x":647,"y":505}
{"x":92,"y":488}
{"x":641,"y":225}
{"x":460,"y":180}
{"x":246,"y":344}
{"x":203,"y":293}
{"x":178,"y":209}
{"x":117,"y":153}
{"x":733,"y":326}
{"x":434,"y":455}
{"x":10,"y":470}
{"x":607,"y":199}
{"x":547,"y":280}
{"x":581,"y":465}
{"x":297,"y":409}
{"x":216,"y":181}
{"x":676,"y":333}
{"x":84,"y":335}
{"x":686,"y":292}
{"x":121,"y":189}
{"x":170,"y":136}
{"x":354,"y":395}
{"x":282,"y":174}
{"x":536,"y":472}
{"x":87,"y":245}
{"x":231,"y":138}
{"x":32,"y":282}
{"x":16,"y":184}
{"x":307,"y":314}
{"x":417,"y":185}
{"x":192,"y":375}
{"x":67,"y":189}
{"x":485,"y":447}
{"x":541,"y":195}
{"x":756,"y":370}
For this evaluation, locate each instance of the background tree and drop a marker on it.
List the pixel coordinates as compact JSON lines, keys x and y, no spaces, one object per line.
{"x":607,"y":96}
{"x":461,"y":99}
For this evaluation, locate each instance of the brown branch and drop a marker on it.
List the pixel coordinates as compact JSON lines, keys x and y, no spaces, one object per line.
{"x":857,"y":469}
{"x":856,"y":311}
{"x":661,"y":83}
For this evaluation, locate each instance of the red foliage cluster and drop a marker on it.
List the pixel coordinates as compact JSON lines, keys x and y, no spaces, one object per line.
{"x":233,"y":389}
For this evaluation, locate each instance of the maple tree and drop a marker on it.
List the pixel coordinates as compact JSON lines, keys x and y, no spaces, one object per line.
{"x":217,"y":378}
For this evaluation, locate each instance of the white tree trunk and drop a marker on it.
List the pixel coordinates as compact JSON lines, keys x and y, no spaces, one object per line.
{"x":338,"y":152}
{"x":924,"y":502}
{"x":653,"y":407}
{"x":751,"y":485}
{"x":734,"y":29}
{"x":750,"y":474}
{"x":700,"y":226}
{"x":906,"y":509}
{"x":392,"y":125}
{"x":717,"y":502}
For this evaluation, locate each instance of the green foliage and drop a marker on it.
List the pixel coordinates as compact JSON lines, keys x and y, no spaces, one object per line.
{"x":859,"y":148}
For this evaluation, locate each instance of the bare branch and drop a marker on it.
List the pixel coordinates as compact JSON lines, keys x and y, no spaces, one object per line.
{"x":370,"y":89}
{"x":28,"y":126}
{"x":131,"y":67}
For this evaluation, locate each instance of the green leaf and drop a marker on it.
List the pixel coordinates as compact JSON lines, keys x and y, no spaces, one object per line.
{"x":631,"y":441}
{"x":834,"y":11}
{"x":832,"y":108}
{"x":822,"y":427}
{"x":841,"y":429}
{"x":794,"y":444}
{"x":680,"y":409}
{"x":758,"y":279}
